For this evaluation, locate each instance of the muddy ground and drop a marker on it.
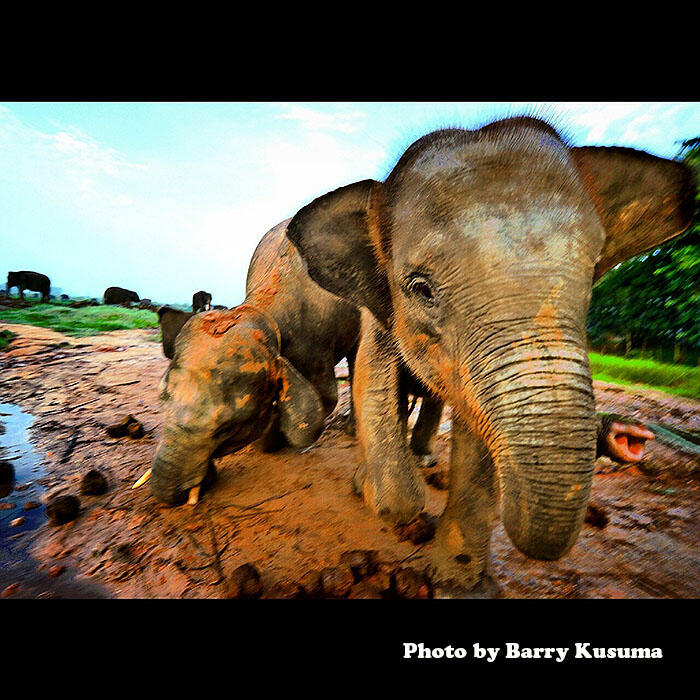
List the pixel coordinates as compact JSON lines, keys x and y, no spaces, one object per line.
{"x":294,"y":511}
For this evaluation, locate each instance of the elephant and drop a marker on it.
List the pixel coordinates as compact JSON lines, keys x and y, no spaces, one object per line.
{"x":171,"y":322}
{"x":25,"y":279}
{"x":473,"y":263}
{"x":201,"y":301}
{"x":120,"y":296}
{"x":260,"y":371}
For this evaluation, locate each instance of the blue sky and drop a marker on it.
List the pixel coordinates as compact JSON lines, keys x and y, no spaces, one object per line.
{"x":170,"y":198}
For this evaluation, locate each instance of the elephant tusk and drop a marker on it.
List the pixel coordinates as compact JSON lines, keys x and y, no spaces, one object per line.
{"x":143,"y":479}
{"x":194,"y":496}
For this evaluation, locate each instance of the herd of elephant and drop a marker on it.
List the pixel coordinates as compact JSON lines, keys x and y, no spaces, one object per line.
{"x":463,"y":278}
{"x":117,"y":296}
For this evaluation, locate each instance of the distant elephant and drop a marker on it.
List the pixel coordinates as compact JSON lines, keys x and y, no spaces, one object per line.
{"x":474,"y":261}
{"x":118,"y":295}
{"x":171,"y":322}
{"x":25,"y":279}
{"x":201,"y":301}
{"x":261,"y":370}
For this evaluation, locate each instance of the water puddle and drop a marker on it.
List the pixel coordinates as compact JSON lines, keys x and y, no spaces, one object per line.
{"x":22,"y":511}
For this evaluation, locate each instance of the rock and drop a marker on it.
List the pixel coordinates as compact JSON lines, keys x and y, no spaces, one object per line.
{"x":408,"y":583}
{"x":93,"y":483}
{"x":420,"y":530}
{"x":336,"y":581}
{"x":596,"y":516}
{"x":62,"y":509}
{"x":362,"y":562}
{"x":56,"y":570}
{"x":244,"y":582}
{"x":30,"y":505}
{"x":121,"y":429}
{"x":17,"y":522}
{"x":10,"y":590}
{"x":285,"y":589}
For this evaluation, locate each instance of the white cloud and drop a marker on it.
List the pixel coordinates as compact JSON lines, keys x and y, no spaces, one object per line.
{"x":315,"y":120}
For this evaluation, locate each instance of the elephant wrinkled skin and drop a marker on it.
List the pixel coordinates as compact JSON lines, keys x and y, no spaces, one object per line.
{"x":474,"y":261}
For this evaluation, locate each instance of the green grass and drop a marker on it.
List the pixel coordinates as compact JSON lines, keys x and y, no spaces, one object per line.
{"x":647,"y":374}
{"x":90,"y":320}
{"x":6,"y":338}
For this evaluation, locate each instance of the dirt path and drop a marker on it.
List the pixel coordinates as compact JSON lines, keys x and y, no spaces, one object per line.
{"x":292,"y":512}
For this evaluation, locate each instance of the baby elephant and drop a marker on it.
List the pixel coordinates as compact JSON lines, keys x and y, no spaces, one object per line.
{"x":201,"y":301}
{"x":25,"y":279}
{"x":474,"y":261}
{"x":171,"y":322}
{"x":118,"y":295}
{"x":263,"y":369}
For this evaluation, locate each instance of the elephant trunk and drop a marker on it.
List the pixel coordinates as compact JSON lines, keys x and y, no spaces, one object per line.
{"x":539,"y":424}
{"x":179,"y":465}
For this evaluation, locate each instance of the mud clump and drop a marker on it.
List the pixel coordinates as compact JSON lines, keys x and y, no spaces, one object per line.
{"x":408,"y":583}
{"x":93,"y":483}
{"x":62,"y":509}
{"x":7,"y":473}
{"x":311,"y":583}
{"x":285,"y":589}
{"x":336,"y":581}
{"x":127,"y":426}
{"x":362,"y":562}
{"x":244,"y":582}
{"x":420,"y":530}
{"x":365,"y":590}
{"x":10,"y":590}
{"x":596,"y":516}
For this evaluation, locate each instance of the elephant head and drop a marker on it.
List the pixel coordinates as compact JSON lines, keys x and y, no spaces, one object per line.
{"x":225,"y":384}
{"x":478,"y":253}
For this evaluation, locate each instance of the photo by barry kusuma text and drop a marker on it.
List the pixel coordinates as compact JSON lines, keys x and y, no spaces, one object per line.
{"x":514,"y":651}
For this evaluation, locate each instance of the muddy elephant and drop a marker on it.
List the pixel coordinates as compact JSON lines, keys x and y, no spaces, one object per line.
{"x":34,"y":281}
{"x":118,"y":295}
{"x":474,"y":261}
{"x":261,"y":370}
{"x":201,"y":301}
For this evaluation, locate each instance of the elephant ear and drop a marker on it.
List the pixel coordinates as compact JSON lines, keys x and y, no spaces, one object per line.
{"x":642,"y":200}
{"x":300,"y":407}
{"x":333,"y":235}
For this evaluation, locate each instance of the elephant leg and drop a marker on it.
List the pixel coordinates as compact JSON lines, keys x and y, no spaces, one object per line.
{"x":350,"y":427}
{"x":462,"y":537}
{"x":387,"y":478}
{"x":21,"y":293}
{"x":425,"y":430}
{"x":272,"y":439}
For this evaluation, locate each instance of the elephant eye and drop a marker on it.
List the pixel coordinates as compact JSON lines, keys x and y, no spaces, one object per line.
{"x":420,"y":287}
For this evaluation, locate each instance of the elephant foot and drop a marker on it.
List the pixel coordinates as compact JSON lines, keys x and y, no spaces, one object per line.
{"x":460,"y":555}
{"x":397,"y":498}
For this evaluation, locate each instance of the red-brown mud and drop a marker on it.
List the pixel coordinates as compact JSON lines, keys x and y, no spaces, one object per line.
{"x":293,"y":512}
